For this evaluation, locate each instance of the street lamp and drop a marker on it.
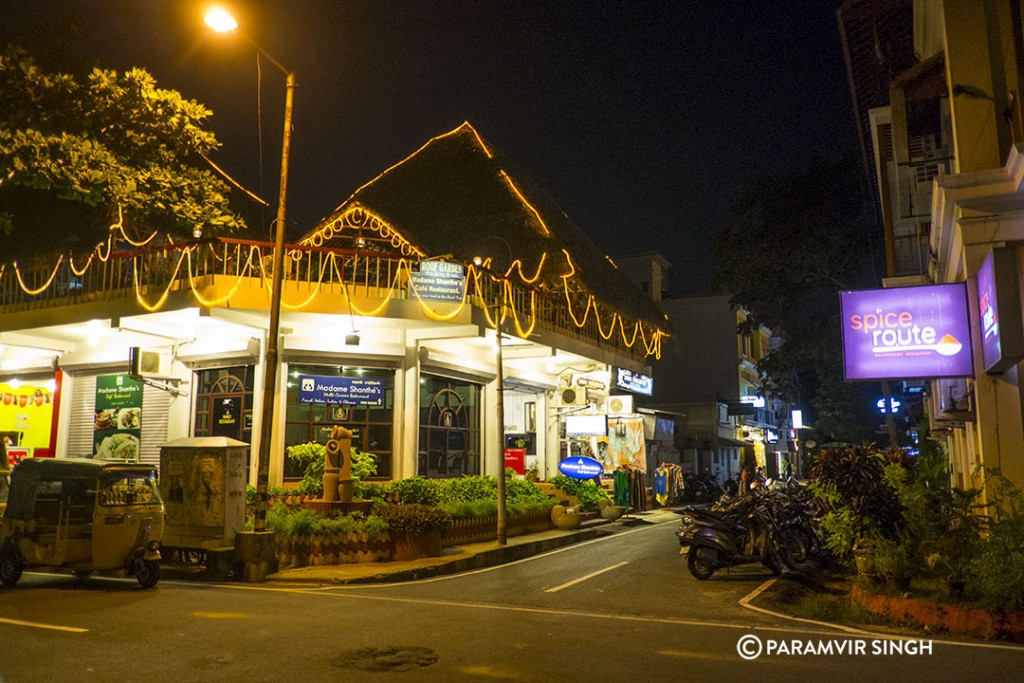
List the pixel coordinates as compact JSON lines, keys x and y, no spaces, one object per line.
{"x":500,"y":402}
{"x":222,"y":22}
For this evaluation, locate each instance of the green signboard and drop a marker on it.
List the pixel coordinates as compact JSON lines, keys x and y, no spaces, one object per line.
{"x":118,"y":421}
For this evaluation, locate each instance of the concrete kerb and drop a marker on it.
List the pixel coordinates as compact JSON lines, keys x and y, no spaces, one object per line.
{"x":453,"y":560}
{"x":466,"y":557}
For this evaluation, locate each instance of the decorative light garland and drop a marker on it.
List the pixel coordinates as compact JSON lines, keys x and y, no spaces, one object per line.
{"x":45,"y":286}
{"x":358,"y":217}
{"x":651,"y":345}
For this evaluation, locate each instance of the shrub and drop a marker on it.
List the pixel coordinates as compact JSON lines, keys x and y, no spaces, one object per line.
{"x":310,"y":459}
{"x":523,"y":491}
{"x":855,"y":478}
{"x":996,"y":574}
{"x":471,"y":509}
{"x":489,"y":508}
{"x":465,"y":489}
{"x":586,"y":491}
{"x":416,"y":491}
{"x":413,"y":519}
{"x":283,"y":521}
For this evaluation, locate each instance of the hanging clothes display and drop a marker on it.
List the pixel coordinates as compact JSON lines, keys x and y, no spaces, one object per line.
{"x":621,"y":487}
{"x":626,"y":446}
{"x":668,"y":483}
{"x":661,"y":486}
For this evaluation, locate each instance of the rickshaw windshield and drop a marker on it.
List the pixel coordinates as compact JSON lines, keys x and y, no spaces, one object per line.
{"x":128,"y":488}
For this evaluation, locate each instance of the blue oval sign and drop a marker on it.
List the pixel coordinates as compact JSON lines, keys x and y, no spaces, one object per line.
{"x":580,"y":467}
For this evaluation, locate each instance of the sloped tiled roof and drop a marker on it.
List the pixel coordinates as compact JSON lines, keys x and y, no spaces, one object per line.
{"x":457,"y":196}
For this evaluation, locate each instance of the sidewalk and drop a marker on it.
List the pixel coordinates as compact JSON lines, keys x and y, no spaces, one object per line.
{"x":464,"y":557}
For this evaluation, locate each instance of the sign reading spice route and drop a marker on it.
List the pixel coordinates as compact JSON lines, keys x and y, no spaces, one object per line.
{"x":906,"y":332}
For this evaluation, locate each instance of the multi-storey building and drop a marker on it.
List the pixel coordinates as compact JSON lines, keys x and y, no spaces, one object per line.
{"x":708,"y":375}
{"x":946,"y":152}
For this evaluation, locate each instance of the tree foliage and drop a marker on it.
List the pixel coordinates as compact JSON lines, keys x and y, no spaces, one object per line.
{"x":75,"y":157}
{"x":794,"y":241}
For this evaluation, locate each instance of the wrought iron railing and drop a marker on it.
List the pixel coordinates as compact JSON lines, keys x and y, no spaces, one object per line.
{"x":149,"y":274}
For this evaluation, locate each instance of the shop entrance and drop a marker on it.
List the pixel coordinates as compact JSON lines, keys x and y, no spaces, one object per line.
{"x":224,"y":402}
{"x":449,"y":428}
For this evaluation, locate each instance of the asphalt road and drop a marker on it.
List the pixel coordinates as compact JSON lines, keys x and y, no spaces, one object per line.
{"x":621,"y":608}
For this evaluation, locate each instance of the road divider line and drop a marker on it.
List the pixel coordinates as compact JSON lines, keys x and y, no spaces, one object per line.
{"x":50,"y":627}
{"x":584,"y":578}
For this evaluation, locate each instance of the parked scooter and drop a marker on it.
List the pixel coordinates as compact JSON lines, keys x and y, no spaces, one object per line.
{"x":741,"y":531}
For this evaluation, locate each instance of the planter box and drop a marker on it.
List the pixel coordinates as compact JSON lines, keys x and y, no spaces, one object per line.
{"x":479,"y":529}
{"x":408,"y":547}
{"x":302,"y":551}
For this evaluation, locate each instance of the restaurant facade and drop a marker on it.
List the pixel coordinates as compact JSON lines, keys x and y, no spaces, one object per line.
{"x":442,"y":289}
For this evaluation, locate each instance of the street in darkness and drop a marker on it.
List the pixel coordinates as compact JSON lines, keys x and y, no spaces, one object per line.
{"x":618,"y":608}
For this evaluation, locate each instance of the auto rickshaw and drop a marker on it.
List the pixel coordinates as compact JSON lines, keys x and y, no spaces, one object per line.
{"x":5,"y":486}
{"x":82,"y":515}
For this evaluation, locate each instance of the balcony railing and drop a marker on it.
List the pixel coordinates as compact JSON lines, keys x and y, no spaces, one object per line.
{"x":151,"y":274}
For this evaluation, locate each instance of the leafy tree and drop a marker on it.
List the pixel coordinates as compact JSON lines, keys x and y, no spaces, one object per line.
{"x":78,"y":156}
{"x":794,"y":241}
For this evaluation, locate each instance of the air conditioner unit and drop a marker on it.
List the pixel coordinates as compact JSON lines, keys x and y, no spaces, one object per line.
{"x":146,"y":363}
{"x":573,"y":396}
{"x":620,"y":405}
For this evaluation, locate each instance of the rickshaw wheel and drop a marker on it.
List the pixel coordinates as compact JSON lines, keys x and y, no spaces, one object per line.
{"x":147,"y":572}
{"x":11,"y":566}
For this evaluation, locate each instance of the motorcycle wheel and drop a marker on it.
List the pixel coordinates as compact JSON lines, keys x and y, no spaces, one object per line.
{"x":11,"y":566}
{"x":147,"y":572}
{"x":771,"y":561}
{"x":793,"y":550}
{"x":812,"y":542}
{"x":701,"y":563}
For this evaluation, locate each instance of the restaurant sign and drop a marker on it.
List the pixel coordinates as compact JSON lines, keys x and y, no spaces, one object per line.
{"x":906,"y":332}
{"x":350,"y":391}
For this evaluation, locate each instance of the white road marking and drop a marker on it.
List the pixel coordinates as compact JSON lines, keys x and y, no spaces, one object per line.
{"x":745,"y":602}
{"x":584,"y":578}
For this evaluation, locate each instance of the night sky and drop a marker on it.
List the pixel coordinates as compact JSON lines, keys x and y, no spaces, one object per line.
{"x":638,"y":117}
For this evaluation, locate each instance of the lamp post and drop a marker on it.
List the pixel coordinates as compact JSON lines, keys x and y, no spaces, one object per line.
{"x":222,"y":22}
{"x":500,"y":402}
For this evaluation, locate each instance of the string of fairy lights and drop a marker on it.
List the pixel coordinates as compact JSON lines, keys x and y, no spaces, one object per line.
{"x":355,"y":217}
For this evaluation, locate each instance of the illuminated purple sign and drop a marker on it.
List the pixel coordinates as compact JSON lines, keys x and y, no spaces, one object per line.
{"x":988,"y":311}
{"x":1002,"y":337}
{"x":906,"y":332}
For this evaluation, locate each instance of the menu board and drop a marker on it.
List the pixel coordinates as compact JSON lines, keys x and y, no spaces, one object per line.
{"x":118,"y":421}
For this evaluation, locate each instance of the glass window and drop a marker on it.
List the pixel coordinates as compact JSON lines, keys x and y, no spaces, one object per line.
{"x":449,"y":443}
{"x":129,"y":488}
{"x":312,"y":422}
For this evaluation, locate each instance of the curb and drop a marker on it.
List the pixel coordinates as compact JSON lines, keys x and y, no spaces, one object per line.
{"x":482,"y":560}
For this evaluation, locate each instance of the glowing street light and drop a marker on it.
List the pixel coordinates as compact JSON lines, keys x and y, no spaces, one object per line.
{"x":500,"y":403}
{"x":221,"y":21}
